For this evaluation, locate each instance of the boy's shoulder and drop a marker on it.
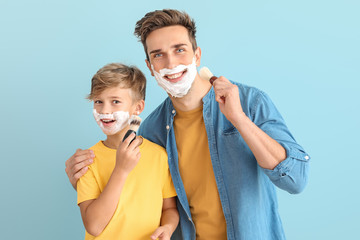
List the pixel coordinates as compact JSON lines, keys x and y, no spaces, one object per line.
{"x":98,"y":146}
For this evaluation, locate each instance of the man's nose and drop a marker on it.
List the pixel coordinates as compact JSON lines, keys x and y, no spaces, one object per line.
{"x":171,"y":62}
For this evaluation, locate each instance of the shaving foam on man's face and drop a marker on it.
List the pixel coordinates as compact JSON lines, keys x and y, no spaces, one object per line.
{"x":180,"y":88}
{"x":112,"y":123}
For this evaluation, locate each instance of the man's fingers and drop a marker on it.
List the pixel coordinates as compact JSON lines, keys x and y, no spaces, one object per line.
{"x":77,"y":167}
{"x":80,"y":173}
{"x":82,"y":156}
{"x":157,"y":233}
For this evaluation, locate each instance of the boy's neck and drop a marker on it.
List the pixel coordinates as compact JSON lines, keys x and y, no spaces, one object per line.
{"x":193,"y":99}
{"x":113,"y":141}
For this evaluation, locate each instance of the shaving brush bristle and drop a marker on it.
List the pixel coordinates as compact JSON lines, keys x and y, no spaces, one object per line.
{"x":206,"y":74}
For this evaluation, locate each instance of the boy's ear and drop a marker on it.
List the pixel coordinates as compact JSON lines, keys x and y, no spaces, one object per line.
{"x":140,"y":105}
{"x":149,"y":67}
{"x":198,"y":56}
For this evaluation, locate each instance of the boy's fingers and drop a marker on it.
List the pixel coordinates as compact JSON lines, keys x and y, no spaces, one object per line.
{"x":128,"y":140}
{"x":134,"y":143}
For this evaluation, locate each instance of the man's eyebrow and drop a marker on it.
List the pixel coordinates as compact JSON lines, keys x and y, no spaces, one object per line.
{"x":178,"y":45}
{"x":155,"y":51}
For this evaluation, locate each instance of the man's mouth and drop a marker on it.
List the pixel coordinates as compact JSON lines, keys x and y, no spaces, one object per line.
{"x":175,"y":77}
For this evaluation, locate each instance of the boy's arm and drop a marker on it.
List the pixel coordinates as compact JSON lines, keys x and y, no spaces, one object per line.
{"x":97,"y":213}
{"x":169,"y":220}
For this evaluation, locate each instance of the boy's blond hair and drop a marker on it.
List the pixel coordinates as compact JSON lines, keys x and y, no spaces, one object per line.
{"x":117,"y":74}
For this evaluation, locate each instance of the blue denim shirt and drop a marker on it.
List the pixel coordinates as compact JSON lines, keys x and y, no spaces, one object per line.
{"x":246,"y":190}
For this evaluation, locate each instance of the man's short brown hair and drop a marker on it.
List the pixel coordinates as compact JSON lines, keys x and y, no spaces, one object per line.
{"x":117,"y":74}
{"x":164,"y":18}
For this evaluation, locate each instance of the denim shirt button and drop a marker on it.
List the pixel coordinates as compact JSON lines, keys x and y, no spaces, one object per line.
{"x":173,"y":111}
{"x":167,"y":127}
{"x":306,"y":157}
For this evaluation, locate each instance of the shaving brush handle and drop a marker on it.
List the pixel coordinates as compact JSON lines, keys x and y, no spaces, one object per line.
{"x":212,"y":79}
{"x":130,"y":131}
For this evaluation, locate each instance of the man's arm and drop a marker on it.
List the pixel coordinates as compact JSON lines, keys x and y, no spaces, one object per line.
{"x":97,"y":213}
{"x":77,"y":165}
{"x":268,"y":152}
{"x":169,"y":220}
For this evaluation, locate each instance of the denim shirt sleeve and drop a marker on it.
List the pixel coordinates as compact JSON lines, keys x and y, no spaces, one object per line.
{"x":291,"y":174}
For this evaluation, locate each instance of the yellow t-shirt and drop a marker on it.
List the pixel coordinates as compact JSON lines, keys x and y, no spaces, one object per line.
{"x":198,"y":175}
{"x":140,"y":205}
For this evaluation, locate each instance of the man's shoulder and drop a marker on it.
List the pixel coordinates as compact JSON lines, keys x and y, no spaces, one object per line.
{"x":154,"y":126}
{"x":247,"y":88}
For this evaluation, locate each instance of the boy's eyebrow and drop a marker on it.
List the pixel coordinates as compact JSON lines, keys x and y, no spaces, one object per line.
{"x":173,"y":46}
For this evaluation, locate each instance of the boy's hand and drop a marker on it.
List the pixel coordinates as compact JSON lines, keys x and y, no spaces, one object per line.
{"x":76,"y":165}
{"x":128,"y":155}
{"x":161,"y":233}
{"x":227,"y":95}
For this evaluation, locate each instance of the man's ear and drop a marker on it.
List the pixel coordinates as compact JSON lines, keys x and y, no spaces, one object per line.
{"x":149,"y":67}
{"x":198,"y":56}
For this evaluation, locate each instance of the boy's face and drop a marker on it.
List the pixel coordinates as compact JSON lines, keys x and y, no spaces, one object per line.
{"x":112,"y":100}
{"x":169,"y":47}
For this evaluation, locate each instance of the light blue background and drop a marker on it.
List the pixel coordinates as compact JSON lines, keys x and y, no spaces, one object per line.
{"x":304,"y":54}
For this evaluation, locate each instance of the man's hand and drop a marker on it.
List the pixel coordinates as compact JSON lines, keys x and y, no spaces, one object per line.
{"x":128,"y":154}
{"x":77,"y":165}
{"x":161,"y":233}
{"x":227,"y":95}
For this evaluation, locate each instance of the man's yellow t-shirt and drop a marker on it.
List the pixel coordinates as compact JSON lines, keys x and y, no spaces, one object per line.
{"x":140,"y":205}
{"x":198,"y":176}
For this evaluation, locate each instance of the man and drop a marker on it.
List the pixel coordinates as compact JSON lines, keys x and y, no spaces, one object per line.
{"x":227,"y":144}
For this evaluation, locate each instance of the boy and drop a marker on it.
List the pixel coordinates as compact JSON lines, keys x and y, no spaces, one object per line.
{"x":127,"y":193}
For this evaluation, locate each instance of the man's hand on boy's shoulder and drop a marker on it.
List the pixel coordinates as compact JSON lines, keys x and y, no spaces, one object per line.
{"x":161,"y":233}
{"x":77,"y":165}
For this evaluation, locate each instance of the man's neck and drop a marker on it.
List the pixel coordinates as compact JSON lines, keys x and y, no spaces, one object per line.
{"x":193,"y":99}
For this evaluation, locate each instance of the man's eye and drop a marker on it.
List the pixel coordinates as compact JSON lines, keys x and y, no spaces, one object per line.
{"x":180,"y":50}
{"x":157,"y":55}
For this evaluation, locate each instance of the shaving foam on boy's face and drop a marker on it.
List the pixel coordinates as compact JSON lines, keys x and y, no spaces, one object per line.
{"x":112,"y":123}
{"x":180,"y":88}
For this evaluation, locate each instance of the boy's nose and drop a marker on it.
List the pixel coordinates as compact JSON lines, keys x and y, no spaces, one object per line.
{"x":105,"y":110}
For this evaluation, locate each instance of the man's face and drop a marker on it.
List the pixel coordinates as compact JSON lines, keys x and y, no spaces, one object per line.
{"x":169,"y":47}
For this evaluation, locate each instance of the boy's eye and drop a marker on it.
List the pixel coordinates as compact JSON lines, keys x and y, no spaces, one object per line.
{"x":97,"y":102}
{"x":116,"y":101}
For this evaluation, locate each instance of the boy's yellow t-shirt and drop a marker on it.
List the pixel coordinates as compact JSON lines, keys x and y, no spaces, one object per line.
{"x":197,"y":174}
{"x":140,"y":205}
